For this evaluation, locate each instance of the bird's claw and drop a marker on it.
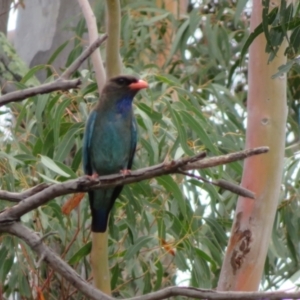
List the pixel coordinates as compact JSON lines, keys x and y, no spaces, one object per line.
{"x":93,"y":176}
{"x":125,"y":172}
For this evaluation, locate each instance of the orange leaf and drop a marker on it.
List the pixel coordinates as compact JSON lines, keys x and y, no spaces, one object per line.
{"x":168,"y":247}
{"x":40,"y":295}
{"x":72,"y":203}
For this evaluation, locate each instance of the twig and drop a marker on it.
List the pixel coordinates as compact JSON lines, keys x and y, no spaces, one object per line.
{"x":223,"y":184}
{"x":84,"y":183}
{"x":42,"y":89}
{"x":83,"y":56}
{"x":225,"y":159}
{"x":93,"y":34}
{"x":17,"y":197}
{"x":59,"y":84}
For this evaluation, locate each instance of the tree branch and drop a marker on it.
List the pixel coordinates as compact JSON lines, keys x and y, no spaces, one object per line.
{"x":223,"y":184}
{"x":83,"y":56}
{"x":41,"y":89}
{"x":85,"y":183}
{"x":17,"y":197}
{"x":93,"y":34}
{"x":214,"y":295}
{"x":60,"y":84}
{"x":40,"y":194}
{"x":33,"y":240}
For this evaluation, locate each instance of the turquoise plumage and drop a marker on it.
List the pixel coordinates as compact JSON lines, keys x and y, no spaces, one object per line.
{"x":110,"y":141}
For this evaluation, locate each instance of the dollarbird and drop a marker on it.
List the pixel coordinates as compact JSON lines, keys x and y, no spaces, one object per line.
{"x":109,"y":142}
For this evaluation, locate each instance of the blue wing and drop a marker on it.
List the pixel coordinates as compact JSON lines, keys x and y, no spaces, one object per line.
{"x":133,"y":142}
{"x":89,"y":129}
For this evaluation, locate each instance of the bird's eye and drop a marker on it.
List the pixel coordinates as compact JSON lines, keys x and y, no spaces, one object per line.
{"x":121,"y":81}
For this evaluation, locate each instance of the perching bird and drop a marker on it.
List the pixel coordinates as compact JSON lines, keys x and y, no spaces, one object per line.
{"x":109,"y":142}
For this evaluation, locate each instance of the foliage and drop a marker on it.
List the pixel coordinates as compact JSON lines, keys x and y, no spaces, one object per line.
{"x":196,"y":101}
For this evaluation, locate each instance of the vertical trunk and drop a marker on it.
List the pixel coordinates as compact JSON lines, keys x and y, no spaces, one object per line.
{"x":4,"y":12}
{"x":99,"y":261}
{"x":113,"y":60}
{"x":177,"y":8}
{"x":267,"y":112}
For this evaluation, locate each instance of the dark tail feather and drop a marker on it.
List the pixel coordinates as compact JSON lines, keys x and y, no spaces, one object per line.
{"x":99,"y":220}
{"x":101,"y":203}
{"x":99,"y":214}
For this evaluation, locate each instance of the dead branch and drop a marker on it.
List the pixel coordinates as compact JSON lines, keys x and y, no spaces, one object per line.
{"x":59,"y":84}
{"x":33,"y":240}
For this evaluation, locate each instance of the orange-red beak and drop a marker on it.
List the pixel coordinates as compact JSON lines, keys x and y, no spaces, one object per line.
{"x":141,"y":84}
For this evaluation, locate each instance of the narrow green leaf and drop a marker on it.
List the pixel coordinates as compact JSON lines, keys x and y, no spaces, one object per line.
{"x":257,"y":31}
{"x":6,"y":266}
{"x":139,"y":244}
{"x":205,"y":256}
{"x":155,"y":19}
{"x":82,"y":252}
{"x":172,"y":187}
{"x":159,"y":275}
{"x":31,"y":73}
{"x":155,"y":116}
{"x":50,"y":164}
{"x":239,"y":10}
{"x":57,"y":52}
{"x":115,"y":275}
{"x":181,"y":130}
{"x":177,"y":40}
{"x":202,"y":134}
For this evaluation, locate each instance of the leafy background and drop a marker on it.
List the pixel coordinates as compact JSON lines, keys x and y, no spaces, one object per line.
{"x":196,"y":101}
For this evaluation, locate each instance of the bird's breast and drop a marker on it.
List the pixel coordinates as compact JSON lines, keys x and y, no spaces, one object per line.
{"x":111,"y":144}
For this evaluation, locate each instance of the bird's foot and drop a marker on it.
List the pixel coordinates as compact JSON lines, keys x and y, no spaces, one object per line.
{"x":93,"y":176}
{"x":125,"y":172}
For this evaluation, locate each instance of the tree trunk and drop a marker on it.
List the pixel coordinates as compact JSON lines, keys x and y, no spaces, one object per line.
{"x":4,"y":12}
{"x":267,"y":112}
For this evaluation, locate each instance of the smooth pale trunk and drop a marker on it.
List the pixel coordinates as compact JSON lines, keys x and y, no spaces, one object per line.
{"x":99,"y":261}
{"x":113,"y":60}
{"x":99,"y":252}
{"x":267,"y":112}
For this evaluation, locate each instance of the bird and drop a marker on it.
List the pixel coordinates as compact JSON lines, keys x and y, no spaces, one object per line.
{"x":109,"y":142}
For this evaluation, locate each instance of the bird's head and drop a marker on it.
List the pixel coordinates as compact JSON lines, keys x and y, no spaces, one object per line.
{"x":123,"y":86}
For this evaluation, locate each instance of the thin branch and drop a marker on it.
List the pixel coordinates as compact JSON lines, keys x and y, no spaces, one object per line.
{"x":85,"y":183}
{"x":213,"y":295}
{"x":83,"y":56}
{"x":17,"y":197}
{"x":225,"y":159}
{"x":32,"y":239}
{"x":223,"y":184}
{"x":42,"y":89}
{"x":59,"y":84}
{"x":93,"y":34}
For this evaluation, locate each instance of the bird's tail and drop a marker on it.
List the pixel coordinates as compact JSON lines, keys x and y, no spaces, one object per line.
{"x":101,"y":203}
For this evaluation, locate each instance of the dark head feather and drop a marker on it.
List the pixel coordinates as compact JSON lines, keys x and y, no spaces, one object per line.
{"x":119,"y":83}
{"x":120,"y":88}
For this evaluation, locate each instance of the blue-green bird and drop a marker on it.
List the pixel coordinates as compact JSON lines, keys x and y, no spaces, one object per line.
{"x":110,"y":141}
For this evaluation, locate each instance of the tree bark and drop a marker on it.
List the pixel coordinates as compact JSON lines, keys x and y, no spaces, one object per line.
{"x":4,"y":12}
{"x":267,"y":113}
